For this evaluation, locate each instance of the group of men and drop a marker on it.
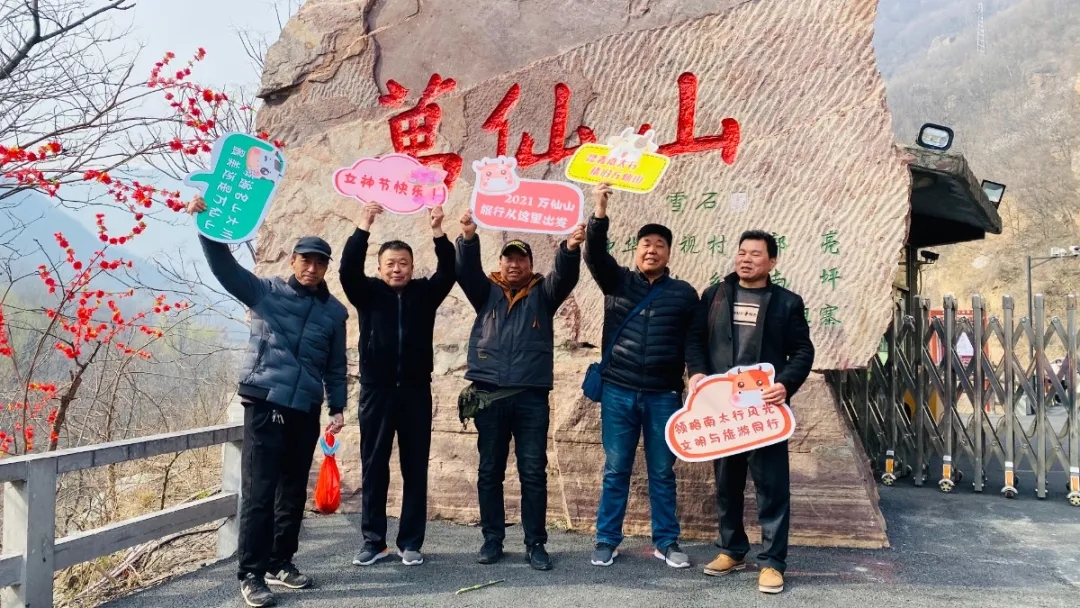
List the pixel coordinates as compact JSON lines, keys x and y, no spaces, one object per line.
{"x":656,"y":331}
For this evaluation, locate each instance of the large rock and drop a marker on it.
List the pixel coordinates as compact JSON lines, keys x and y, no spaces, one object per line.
{"x":816,"y":165}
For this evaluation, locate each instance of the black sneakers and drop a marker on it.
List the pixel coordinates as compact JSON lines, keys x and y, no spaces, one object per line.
{"x":255,"y":592}
{"x":286,"y":575}
{"x":491,"y":552}
{"x":538,"y":557}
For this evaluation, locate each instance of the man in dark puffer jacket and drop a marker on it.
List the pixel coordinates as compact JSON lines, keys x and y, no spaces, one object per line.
{"x":643,"y":381}
{"x":296,"y":354}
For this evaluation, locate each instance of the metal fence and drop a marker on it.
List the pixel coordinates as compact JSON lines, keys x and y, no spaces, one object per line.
{"x":956,"y":393}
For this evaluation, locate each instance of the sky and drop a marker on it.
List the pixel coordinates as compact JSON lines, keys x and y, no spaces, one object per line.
{"x":182,"y":27}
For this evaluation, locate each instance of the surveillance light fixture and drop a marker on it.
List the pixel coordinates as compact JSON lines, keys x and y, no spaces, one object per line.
{"x":994,"y":191}
{"x":929,"y":256}
{"x":935,"y":137}
{"x":1074,"y":250}
{"x":1057,"y":252}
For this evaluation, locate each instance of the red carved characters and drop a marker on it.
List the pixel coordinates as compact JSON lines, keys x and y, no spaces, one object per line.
{"x":414,"y":131}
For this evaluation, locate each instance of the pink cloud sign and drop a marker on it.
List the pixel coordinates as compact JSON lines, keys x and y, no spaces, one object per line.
{"x":396,"y":181}
{"x":503,"y":201}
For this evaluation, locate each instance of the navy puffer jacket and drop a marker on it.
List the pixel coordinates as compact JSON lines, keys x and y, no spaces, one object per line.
{"x":650,"y":354}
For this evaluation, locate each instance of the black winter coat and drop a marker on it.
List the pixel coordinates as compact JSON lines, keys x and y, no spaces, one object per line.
{"x":650,"y":352}
{"x":784,"y":331}
{"x":396,"y":328}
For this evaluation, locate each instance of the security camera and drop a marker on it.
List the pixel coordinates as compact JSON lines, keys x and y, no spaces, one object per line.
{"x":1074,"y":250}
{"x":930,"y":256}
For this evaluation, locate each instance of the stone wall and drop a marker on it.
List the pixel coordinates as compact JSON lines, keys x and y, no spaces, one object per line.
{"x":816,"y":164}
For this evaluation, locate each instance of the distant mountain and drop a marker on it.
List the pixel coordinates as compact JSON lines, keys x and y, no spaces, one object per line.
{"x":28,"y":223}
{"x":1011,"y":92}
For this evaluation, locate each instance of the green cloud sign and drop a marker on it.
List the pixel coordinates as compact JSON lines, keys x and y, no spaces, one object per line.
{"x":245,"y":173}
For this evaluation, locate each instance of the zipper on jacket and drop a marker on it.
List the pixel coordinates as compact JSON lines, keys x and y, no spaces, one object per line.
{"x":299,"y":341}
{"x":400,"y":334}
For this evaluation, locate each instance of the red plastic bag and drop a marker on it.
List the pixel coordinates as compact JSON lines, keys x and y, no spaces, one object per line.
{"x":328,"y":487}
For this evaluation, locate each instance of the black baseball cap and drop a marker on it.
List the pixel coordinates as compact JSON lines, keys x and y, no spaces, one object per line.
{"x":516,"y":246}
{"x":312,"y":244}
{"x":658,"y":229}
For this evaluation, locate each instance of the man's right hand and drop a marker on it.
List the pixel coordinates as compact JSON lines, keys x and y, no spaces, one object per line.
{"x":367,"y":215}
{"x":600,"y":195}
{"x":694,"y":381}
{"x":468,"y":226}
{"x":196,"y":206}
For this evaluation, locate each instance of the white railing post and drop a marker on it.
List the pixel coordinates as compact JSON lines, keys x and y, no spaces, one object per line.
{"x":30,"y":529}
{"x":229,"y":532}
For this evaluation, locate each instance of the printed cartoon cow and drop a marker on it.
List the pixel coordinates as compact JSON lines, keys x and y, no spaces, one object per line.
{"x":265,"y":164}
{"x":496,"y":175}
{"x":630,"y":147}
{"x":747,"y":386}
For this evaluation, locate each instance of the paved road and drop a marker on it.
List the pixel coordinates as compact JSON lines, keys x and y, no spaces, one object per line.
{"x":947,"y":550}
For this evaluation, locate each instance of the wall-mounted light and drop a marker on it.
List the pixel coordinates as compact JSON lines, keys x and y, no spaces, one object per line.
{"x":935,"y":137}
{"x":994,"y":191}
{"x":929,"y":257}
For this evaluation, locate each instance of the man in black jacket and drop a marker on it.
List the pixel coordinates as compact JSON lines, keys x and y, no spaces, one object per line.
{"x":751,"y":320}
{"x":296,"y":355}
{"x":397,"y":325}
{"x":643,"y":380}
{"x":511,"y":365}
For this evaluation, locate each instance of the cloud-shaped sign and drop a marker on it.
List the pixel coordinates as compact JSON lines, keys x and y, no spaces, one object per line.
{"x":396,"y":181}
{"x":726,"y":415}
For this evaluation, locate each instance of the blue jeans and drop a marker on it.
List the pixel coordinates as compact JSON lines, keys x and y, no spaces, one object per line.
{"x":624,"y":414}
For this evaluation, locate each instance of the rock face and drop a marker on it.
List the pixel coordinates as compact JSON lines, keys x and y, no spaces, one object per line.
{"x":815,"y":165}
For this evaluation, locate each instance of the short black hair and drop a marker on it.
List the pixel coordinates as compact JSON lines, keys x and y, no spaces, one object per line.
{"x":761,"y":235}
{"x":394,"y":246}
{"x":655,"y":229}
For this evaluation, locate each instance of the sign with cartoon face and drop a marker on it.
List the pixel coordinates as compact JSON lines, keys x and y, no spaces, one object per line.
{"x":727,"y":415}
{"x":398,"y":182}
{"x":628,"y":162}
{"x":503,"y":201}
{"x":244,"y":176}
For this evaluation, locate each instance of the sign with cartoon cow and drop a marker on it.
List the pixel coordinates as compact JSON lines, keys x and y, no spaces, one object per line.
{"x":628,"y":162}
{"x":503,"y":201}
{"x":245,"y":172}
{"x":396,"y":181}
{"x":726,"y":415}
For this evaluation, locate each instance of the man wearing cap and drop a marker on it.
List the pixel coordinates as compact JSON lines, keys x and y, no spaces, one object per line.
{"x":295,"y":357}
{"x":642,"y":379}
{"x":511,"y":367}
{"x":397,"y":326}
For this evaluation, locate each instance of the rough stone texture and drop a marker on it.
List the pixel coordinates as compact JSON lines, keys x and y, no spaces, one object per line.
{"x":816,"y":156}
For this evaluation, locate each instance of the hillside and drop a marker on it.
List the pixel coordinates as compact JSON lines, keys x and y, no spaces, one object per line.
{"x":1016,"y":112}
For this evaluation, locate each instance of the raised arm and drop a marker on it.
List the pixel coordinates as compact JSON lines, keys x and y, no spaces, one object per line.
{"x":469,"y":270}
{"x":334,"y":377}
{"x":561,"y":281}
{"x":445,"y":274}
{"x":602,"y":266}
{"x":240,"y":282}
{"x":799,"y":350}
{"x":356,"y":285}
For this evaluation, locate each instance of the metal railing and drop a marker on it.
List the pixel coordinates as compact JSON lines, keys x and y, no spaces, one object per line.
{"x":32,"y":553}
{"x":987,"y":394}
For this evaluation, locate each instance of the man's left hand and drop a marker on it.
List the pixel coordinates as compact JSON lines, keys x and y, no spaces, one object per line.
{"x":576,"y":238}
{"x":775,"y":394}
{"x":337,"y":422}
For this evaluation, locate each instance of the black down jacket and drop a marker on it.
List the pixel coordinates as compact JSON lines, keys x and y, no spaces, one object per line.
{"x":650,"y":352}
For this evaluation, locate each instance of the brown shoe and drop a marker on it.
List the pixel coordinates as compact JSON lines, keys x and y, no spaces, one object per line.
{"x":724,"y":564}
{"x":770,"y":581}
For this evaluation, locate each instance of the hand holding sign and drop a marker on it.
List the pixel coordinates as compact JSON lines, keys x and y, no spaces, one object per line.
{"x":730,"y":413}
{"x":468,"y":226}
{"x":368,"y":215}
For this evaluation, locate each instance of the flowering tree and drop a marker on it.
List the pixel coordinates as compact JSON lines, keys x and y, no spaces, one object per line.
{"x":84,"y":322}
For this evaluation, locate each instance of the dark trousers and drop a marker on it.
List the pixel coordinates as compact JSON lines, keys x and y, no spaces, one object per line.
{"x":769,"y":470}
{"x":524,"y":417}
{"x":385,"y":411}
{"x":279,"y":444}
